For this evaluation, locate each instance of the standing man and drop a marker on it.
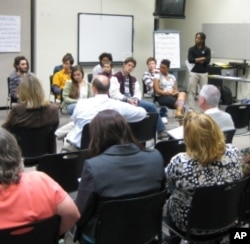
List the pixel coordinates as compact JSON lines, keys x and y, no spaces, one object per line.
{"x":127,"y":89}
{"x":59,"y":79}
{"x":200,"y":56}
{"x":21,"y":66}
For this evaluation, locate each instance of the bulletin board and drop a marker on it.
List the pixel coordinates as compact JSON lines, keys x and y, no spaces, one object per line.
{"x":167,"y":46}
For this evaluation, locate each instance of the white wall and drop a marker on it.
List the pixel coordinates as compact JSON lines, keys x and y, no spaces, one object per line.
{"x":210,"y":11}
{"x":56,"y":28}
{"x":56,"y":31}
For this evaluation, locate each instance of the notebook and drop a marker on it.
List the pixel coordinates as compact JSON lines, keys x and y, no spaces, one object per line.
{"x":176,"y":133}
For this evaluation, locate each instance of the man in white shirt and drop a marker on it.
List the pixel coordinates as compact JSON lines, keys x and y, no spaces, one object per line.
{"x":208,"y":101}
{"x":86,"y":109}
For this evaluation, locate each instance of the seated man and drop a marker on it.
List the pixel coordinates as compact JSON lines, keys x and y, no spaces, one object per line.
{"x":126,"y":88}
{"x":208,"y":101}
{"x":86,"y":109}
{"x":148,"y":81}
{"x":61,"y":76}
{"x":21,"y":66}
{"x":148,"y":76}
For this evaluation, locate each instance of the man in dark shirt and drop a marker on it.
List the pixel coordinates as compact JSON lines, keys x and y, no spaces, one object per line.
{"x":21,"y":66}
{"x":199,"y":55}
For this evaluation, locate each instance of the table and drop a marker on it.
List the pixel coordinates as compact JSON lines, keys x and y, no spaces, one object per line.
{"x":230,"y":78}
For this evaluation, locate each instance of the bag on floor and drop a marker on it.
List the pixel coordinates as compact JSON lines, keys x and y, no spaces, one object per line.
{"x":226,"y":96}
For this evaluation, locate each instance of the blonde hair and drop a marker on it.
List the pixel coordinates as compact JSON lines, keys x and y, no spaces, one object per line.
{"x":204,"y":139}
{"x":31,"y":93}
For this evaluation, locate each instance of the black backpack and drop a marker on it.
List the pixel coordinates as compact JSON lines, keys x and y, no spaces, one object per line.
{"x":226,"y":96}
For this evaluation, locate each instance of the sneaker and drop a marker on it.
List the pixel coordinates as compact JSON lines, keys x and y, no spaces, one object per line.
{"x":164,"y":120}
{"x":163,"y":135}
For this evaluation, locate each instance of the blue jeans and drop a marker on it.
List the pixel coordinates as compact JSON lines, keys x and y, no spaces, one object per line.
{"x":163,"y":112}
{"x":56,"y":90}
{"x":151,"y":108}
{"x":70,"y":108}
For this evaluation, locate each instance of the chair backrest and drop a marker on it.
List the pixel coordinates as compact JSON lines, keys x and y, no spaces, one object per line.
{"x":57,"y":68}
{"x":240,"y":114}
{"x":135,"y":220}
{"x":39,"y":232}
{"x":245,"y":212}
{"x":11,"y":98}
{"x":64,"y":168}
{"x":35,"y":142}
{"x":229,"y":134}
{"x":216,"y":207}
{"x":90,"y":77}
{"x":51,"y":84}
{"x":170,"y":148}
{"x":85,"y":139}
{"x":145,"y":129}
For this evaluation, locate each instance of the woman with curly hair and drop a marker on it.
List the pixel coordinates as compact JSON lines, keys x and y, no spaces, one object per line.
{"x":208,"y":161}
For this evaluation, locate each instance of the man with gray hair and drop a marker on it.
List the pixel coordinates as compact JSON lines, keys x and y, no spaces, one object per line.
{"x":208,"y":101}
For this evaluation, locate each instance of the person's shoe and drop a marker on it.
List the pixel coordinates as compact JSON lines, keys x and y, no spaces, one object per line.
{"x":179,"y":114}
{"x":163,"y":135}
{"x":164,"y":120}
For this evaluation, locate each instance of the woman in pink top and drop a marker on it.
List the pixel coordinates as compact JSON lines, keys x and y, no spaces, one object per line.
{"x":29,"y":196}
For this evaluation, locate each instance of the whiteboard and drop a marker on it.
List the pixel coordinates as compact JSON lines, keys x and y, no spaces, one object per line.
{"x":98,"y":33}
{"x":167,"y":46}
{"x":230,"y":41}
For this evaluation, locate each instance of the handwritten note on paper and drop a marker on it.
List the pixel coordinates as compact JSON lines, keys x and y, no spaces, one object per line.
{"x":10,"y":33}
{"x":167,"y":46}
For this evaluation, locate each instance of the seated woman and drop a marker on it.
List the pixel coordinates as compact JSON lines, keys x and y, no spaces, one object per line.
{"x":34,"y":110}
{"x":29,"y":196}
{"x":74,"y":89}
{"x":207,"y":161}
{"x":114,"y":149}
{"x":166,"y":90}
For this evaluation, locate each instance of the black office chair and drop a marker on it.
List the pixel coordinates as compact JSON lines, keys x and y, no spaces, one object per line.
{"x":57,"y":68}
{"x":132,"y":220}
{"x":85,"y":138}
{"x":215,"y":209}
{"x":51,"y":87}
{"x":240,"y":114}
{"x":39,"y":232}
{"x":145,"y":129}
{"x":229,"y":134}
{"x":245,"y":212}
{"x":64,"y":168}
{"x":35,"y":142}
{"x":90,"y":77}
{"x":170,"y":148}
